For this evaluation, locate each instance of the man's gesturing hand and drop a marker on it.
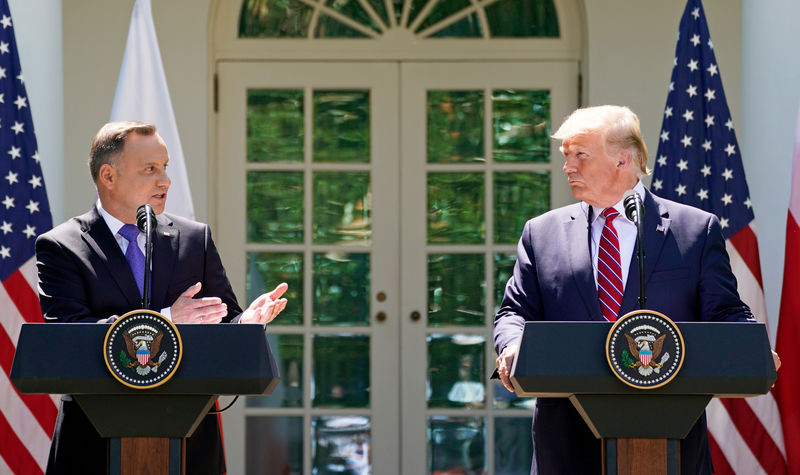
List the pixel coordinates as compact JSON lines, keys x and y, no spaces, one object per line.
{"x":202,"y":310}
{"x":504,"y":363}
{"x":266,"y":307}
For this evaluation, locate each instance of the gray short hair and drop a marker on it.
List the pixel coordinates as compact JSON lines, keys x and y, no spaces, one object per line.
{"x":110,"y":140}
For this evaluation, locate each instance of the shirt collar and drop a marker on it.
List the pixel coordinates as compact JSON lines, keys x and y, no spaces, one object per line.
{"x":597,"y":211}
{"x":113,"y":223}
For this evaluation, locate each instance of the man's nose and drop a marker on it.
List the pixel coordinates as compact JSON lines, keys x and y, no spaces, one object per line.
{"x":163,"y":179}
{"x":569,"y":166}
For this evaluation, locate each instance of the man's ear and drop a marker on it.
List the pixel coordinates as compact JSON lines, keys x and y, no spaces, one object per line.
{"x":107,"y":176}
{"x":624,"y":158}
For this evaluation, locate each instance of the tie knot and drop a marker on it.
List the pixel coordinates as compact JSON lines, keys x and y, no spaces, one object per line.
{"x":610,"y":214}
{"x":129,"y":232}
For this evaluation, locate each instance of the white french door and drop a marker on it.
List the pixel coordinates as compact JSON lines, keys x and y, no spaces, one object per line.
{"x":390,"y":196}
{"x":477,"y":162}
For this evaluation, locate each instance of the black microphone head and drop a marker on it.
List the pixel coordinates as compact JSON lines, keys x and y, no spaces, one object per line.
{"x":141,"y":218}
{"x":629,"y":202}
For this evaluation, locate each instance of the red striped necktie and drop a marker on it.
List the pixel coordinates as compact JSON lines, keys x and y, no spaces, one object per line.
{"x":609,"y":268}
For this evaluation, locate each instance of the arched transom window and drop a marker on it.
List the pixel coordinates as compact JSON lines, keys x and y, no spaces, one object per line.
{"x":371,"y":19}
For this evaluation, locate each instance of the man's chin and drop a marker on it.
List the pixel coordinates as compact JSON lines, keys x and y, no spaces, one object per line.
{"x":158,"y":208}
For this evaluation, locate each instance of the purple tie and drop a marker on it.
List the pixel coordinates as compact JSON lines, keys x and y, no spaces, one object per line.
{"x":134,"y":254}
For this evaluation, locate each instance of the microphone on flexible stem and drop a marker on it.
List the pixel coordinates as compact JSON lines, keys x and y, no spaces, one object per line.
{"x":146,"y":222}
{"x":634,"y":211}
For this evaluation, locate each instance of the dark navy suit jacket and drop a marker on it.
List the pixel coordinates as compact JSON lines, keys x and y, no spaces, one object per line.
{"x":84,"y":278}
{"x":687,"y":276}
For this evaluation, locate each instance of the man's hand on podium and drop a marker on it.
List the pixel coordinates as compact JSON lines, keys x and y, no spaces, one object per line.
{"x":265,"y":308}
{"x":504,"y":363}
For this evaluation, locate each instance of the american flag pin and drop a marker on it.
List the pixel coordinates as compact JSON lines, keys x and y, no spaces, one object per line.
{"x":660,"y":228}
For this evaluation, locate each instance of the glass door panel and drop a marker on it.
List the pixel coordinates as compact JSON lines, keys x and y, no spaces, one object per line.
{"x":385,"y":348}
{"x":477,"y":163}
{"x":311,"y":149}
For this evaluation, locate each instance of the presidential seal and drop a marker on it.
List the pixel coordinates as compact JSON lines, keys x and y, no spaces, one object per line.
{"x":645,"y":349}
{"x":142,"y":349}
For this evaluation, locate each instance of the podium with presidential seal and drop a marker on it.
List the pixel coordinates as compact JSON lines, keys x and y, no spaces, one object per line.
{"x":643,"y":382}
{"x":144,"y":382}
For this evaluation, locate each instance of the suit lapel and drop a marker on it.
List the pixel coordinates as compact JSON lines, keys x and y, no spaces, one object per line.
{"x":656,"y":226}
{"x":576,"y":229}
{"x":165,"y":254}
{"x":100,"y":240}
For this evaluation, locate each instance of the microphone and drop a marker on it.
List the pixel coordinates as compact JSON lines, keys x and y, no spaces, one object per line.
{"x":633,"y":206}
{"x":142,"y":214}
{"x":634,"y":211}
{"x":146,"y":222}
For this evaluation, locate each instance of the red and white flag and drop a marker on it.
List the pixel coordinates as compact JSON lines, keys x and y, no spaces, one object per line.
{"x":787,"y":388}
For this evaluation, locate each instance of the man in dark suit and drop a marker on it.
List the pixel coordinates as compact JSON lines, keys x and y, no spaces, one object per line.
{"x":84,"y":277}
{"x":561,"y":262}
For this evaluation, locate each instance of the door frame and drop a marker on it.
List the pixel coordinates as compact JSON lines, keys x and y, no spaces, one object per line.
{"x":381,"y":80}
{"x":561,"y":78}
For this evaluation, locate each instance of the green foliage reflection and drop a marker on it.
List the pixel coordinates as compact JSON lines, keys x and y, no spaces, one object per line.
{"x":456,"y":371}
{"x":455,"y":126}
{"x":352,"y":9}
{"x":467,"y":27}
{"x":274,"y":19}
{"x":503,"y":269}
{"x":456,"y":290}
{"x":341,"y":289}
{"x":518,"y":197}
{"x":341,"y":126}
{"x":456,"y":208}
{"x":523,"y":18}
{"x":274,"y":125}
{"x":442,"y":10}
{"x":275,"y":207}
{"x":341,"y":371}
{"x":521,"y":126}
{"x":342,"y":207}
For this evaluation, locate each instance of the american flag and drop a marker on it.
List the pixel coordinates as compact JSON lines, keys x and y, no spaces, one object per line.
{"x":26,"y":420}
{"x":699,"y":163}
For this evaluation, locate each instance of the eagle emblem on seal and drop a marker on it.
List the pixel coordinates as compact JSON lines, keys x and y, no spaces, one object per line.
{"x":645,"y":349}
{"x":142,"y":344}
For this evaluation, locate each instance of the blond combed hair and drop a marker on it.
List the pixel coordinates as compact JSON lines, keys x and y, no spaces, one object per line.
{"x":619,"y":126}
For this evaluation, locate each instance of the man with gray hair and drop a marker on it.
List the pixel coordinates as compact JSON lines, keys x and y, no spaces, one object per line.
{"x":574,"y":263}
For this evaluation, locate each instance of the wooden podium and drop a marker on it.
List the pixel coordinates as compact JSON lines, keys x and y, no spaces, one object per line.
{"x":221,"y":359}
{"x":567,"y":359}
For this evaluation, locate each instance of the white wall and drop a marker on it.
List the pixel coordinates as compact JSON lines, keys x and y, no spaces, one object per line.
{"x":39,"y":44}
{"x":770,"y":100}
{"x":93,"y":45}
{"x":631,"y":45}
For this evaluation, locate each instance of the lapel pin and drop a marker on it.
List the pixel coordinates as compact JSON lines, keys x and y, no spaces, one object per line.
{"x":660,"y":228}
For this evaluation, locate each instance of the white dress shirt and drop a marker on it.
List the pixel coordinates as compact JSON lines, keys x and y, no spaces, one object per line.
{"x":626,"y":232}
{"x":115,"y":225}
